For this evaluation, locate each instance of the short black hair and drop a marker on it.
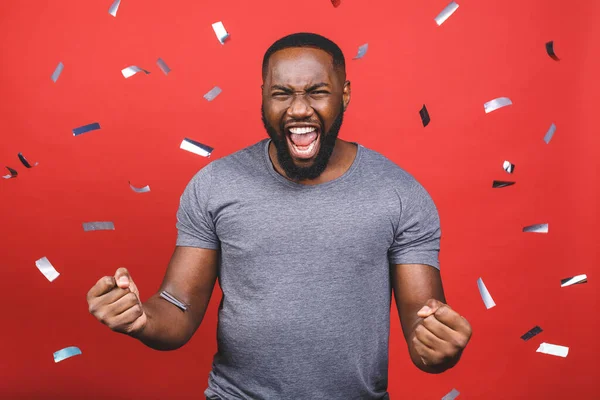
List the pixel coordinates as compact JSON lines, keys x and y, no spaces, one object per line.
{"x":306,"y":39}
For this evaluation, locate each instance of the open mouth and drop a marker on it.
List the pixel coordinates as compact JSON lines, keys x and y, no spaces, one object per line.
{"x":303,"y":141}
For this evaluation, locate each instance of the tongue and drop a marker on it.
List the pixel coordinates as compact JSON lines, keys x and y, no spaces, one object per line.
{"x":303,"y":140}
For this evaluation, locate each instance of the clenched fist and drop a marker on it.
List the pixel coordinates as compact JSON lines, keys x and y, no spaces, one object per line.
{"x":115,"y":301}
{"x":441,"y":335}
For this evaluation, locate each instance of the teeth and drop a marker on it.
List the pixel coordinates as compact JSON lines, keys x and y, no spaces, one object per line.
{"x":302,"y":130}
{"x":306,"y":150}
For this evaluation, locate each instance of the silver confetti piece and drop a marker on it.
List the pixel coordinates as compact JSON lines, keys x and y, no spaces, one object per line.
{"x":497,"y":103}
{"x":25,"y":162}
{"x":451,"y":395}
{"x":485,"y":294}
{"x":98,"y":226}
{"x":538,"y":228}
{"x":550,"y":133}
{"x":196,"y":147}
{"x":13,"y":173}
{"x":46,"y":268}
{"x":163,"y":66}
{"x":508,"y":167}
{"x":220,"y":31}
{"x":446,"y":13}
{"x":362,"y":50}
{"x":57,"y":71}
{"x":501,"y":184}
{"x":132,"y":70}
{"x":212,"y":93}
{"x":86,"y":128}
{"x":553,"y":349}
{"x":65,"y":353}
{"x":531,"y":333}
{"x":114,"y":8}
{"x":139,"y":190}
{"x":574,"y":280}
{"x":171,"y":299}
{"x":550,"y":50}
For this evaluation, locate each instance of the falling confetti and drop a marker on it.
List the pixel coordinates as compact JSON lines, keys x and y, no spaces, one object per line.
{"x":538,"y":228}
{"x":451,"y":395}
{"x":336,"y":3}
{"x":65,"y":353}
{"x":424,"y":116}
{"x":501,"y":184}
{"x":446,"y":13}
{"x":550,"y":50}
{"x":57,"y":71}
{"x":195,"y":147}
{"x":25,"y":162}
{"x":362,"y":50}
{"x":553,"y":349}
{"x":497,"y":103}
{"x":13,"y":173}
{"x":508,"y":167}
{"x":114,"y":8}
{"x":573,"y":280}
{"x":485,"y":295}
{"x":46,"y":268}
{"x":86,"y":128}
{"x":139,"y":190}
{"x":212,"y":93}
{"x":132,"y":70}
{"x":220,"y":31}
{"x":550,"y":133}
{"x":163,"y":66}
{"x":98,"y":226}
{"x":531,"y":333}
{"x":171,"y":299}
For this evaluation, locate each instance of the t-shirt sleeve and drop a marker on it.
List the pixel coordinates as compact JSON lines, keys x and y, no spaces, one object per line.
{"x":418,"y":233}
{"x":195,"y":225}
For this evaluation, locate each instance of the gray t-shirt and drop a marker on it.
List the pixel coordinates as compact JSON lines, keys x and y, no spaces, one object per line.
{"x":305,"y":272}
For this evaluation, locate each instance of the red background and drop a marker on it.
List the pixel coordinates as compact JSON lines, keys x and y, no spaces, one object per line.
{"x":485,"y":50}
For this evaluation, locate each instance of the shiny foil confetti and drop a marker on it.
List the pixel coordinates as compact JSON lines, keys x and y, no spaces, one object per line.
{"x":163,"y":66}
{"x":550,"y":133}
{"x":531,"y":333}
{"x":573,"y":280}
{"x":132,"y":70}
{"x":220,"y":31}
{"x":171,"y":299}
{"x":550,"y":50}
{"x":98,"y":226}
{"x":114,"y":8}
{"x":452,"y":395}
{"x":25,"y":162}
{"x":196,"y":147}
{"x":336,"y":3}
{"x":497,"y":103}
{"x":139,"y":190}
{"x":508,"y":167}
{"x":446,"y":13}
{"x":86,"y":128}
{"x":57,"y":71}
{"x":538,"y":228}
{"x":47,"y":269}
{"x":553,"y":349}
{"x":65,"y":353}
{"x":424,"y":116}
{"x":362,"y":50}
{"x":501,"y":184}
{"x":485,"y":294}
{"x":13,"y":173}
{"x":212,"y":93}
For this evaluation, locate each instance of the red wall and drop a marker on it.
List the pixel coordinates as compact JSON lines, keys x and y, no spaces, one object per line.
{"x":485,"y":50}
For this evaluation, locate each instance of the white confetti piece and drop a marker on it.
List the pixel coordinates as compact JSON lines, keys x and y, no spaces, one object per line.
{"x":114,"y":8}
{"x":451,"y":395}
{"x":537,"y":228}
{"x":212,"y":93}
{"x":508,"y":167}
{"x":139,"y":190}
{"x":574,"y":280}
{"x":550,"y":133}
{"x":362,"y":50}
{"x":196,"y":147}
{"x":553,"y":349}
{"x":220,"y":31}
{"x":132,"y":70}
{"x":485,"y":295}
{"x":497,"y":103}
{"x":98,"y":226}
{"x":163,"y":66}
{"x":65,"y":353}
{"x":446,"y":13}
{"x":57,"y":71}
{"x":46,"y":268}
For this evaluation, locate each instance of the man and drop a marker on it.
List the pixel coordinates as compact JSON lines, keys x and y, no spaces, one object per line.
{"x":308,"y":235}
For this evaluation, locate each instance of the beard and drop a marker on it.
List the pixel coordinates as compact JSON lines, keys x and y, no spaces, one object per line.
{"x":284,"y":157}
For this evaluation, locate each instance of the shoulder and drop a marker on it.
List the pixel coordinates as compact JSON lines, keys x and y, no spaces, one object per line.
{"x":385,"y":171}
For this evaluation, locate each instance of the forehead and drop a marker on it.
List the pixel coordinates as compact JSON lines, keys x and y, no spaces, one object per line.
{"x":299,"y":66}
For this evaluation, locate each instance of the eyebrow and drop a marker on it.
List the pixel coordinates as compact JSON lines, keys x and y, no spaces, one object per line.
{"x":309,"y":89}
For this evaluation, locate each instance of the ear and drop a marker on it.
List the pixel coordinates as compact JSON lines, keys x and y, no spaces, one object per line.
{"x":346,"y":94}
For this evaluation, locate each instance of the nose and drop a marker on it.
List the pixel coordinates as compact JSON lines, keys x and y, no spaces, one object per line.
{"x":300,"y":108}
